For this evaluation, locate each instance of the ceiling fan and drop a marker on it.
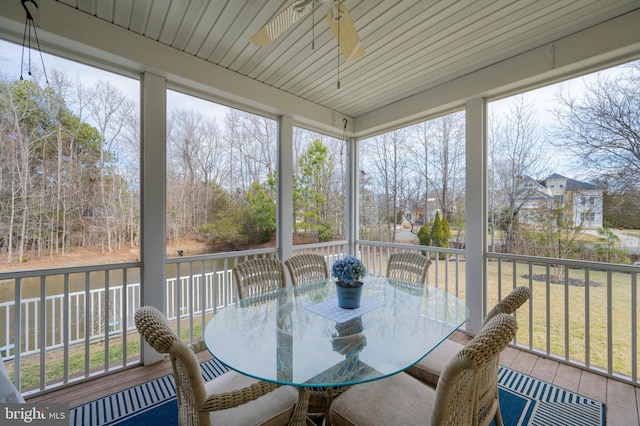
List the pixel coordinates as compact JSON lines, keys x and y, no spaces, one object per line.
{"x":339,"y":21}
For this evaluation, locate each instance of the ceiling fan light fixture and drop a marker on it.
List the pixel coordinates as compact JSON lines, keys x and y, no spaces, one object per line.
{"x":347,"y":37}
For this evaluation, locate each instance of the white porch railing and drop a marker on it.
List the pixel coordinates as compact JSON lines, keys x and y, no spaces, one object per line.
{"x":63,"y":325}
{"x":581,"y":313}
{"x":60,"y":323}
{"x":121,"y":307}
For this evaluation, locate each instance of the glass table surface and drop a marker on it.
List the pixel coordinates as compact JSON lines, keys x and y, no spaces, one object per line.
{"x":299,"y":336}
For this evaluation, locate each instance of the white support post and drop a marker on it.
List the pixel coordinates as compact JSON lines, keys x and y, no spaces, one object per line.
{"x":153,"y":202}
{"x":284,"y":207}
{"x":476,"y":212}
{"x":352,"y":208}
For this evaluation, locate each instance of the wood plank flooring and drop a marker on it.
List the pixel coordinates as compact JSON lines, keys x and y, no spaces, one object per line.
{"x":622,"y":400}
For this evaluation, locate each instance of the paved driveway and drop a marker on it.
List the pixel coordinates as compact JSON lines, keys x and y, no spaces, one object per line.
{"x":627,"y":241}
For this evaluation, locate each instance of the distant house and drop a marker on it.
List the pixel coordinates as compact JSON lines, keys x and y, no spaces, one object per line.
{"x":419,"y":213}
{"x":582,"y":201}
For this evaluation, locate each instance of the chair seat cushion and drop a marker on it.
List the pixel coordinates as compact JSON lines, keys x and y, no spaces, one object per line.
{"x":274,"y":408}
{"x":8,"y":392}
{"x":428,"y":369}
{"x":379,"y":403}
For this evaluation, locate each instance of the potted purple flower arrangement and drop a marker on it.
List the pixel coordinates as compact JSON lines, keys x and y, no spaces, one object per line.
{"x":348,"y":272}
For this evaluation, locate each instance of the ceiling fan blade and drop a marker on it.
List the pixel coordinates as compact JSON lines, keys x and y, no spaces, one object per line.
{"x":281,"y":22}
{"x":347,"y":36}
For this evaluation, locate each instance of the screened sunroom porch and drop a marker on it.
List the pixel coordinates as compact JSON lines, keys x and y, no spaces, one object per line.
{"x":108,"y":38}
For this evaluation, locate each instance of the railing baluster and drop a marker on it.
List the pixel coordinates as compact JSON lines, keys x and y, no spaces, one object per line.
{"x":107,"y":319}
{"x":65,"y":330}
{"x":88,"y":305}
{"x":566,"y":314}
{"x":123,"y":315}
{"x":192,"y":306}
{"x":17,"y":334}
{"x":547,"y":301}
{"x":178,"y":298}
{"x":531,"y":343}
{"x":634,"y":327}
{"x":587,"y":318}
{"x":609,"y":323}
{"x":42,"y":332}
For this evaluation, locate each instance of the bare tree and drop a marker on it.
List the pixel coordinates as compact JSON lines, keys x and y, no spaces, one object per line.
{"x":186,"y":147}
{"x":252,"y":139}
{"x":601,"y":127}
{"x":211,"y":163}
{"x":129,"y":154}
{"x":62,"y":89}
{"x":16,"y":146}
{"x":517,"y":162}
{"x":108,"y":109}
{"x":387,"y":154}
{"x":420,"y":166}
{"x":447,"y":138}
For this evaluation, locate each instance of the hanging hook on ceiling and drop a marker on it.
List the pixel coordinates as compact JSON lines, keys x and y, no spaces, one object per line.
{"x":33,"y":19}
{"x":31,"y":7}
{"x":344,"y":130}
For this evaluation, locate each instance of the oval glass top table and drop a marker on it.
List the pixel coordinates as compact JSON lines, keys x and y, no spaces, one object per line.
{"x":299,"y":336}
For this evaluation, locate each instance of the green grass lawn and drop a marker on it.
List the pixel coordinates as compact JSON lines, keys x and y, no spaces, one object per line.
{"x":587,"y":335}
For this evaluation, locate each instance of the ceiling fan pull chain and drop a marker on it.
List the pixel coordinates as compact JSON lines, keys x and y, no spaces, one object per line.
{"x":313,"y":25}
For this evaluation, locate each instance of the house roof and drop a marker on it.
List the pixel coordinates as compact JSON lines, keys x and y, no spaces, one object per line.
{"x":571,"y":184}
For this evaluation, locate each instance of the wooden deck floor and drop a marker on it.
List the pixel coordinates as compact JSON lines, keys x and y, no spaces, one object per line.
{"x":622,"y":400}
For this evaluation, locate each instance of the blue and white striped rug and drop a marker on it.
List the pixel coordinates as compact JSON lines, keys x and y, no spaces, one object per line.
{"x":134,"y":406}
{"x":524,"y":400}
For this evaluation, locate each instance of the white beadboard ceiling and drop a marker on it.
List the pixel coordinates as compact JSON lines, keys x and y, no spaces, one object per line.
{"x":410,"y":45}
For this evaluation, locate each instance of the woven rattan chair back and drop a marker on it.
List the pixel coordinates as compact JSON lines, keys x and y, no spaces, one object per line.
{"x":408,"y":267}
{"x":190,"y":390}
{"x":194,"y":404}
{"x":487,"y":400}
{"x":307,"y":267}
{"x":510,"y":303}
{"x":258,"y":276}
{"x":465,"y":375}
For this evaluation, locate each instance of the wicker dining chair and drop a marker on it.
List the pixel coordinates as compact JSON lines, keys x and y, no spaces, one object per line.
{"x":229,"y":399}
{"x":408,"y":267}
{"x":401,"y":399}
{"x":307,"y":267}
{"x":258,"y":276}
{"x":429,"y":368}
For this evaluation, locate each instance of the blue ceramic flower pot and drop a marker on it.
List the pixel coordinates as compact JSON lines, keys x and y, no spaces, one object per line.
{"x":348,"y":296}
